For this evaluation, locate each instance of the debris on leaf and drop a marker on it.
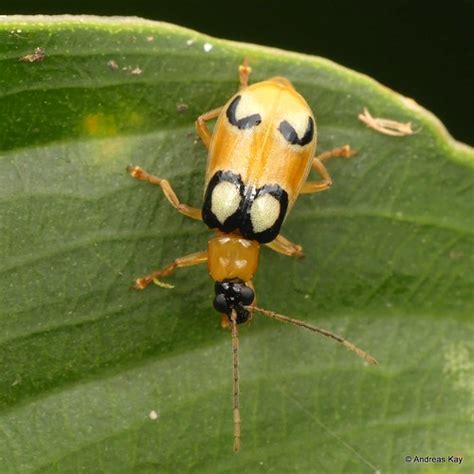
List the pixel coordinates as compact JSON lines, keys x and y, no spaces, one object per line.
{"x":192,"y":136}
{"x":136,"y":71}
{"x":207,"y":47}
{"x":17,"y":33}
{"x":37,"y":56}
{"x":113,"y":65}
{"x":181,"y":107}
{"x":386,"y":126}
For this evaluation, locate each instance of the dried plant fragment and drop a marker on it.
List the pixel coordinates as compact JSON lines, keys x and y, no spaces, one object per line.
{"x":37,"y":56}
{"x":134,"y":71}
{"x":386,"y":126}
{"x":137,"y":71}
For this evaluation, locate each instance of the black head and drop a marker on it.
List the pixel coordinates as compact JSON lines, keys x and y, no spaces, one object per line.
{"x":233,"y":295}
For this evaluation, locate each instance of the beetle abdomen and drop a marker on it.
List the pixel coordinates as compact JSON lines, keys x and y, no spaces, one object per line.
{"x":257,"y":212}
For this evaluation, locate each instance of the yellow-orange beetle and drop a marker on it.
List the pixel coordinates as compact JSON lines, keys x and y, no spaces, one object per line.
{"x":260,"y":154}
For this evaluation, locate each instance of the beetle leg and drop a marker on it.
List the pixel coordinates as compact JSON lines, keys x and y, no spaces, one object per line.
{"x":341,"y":152}
{"x":284,"y":246}
{"x":317,"y":186}
{"x":318,"y":166}
{"x":187,"y":261}
{"x":201,"y":126}
{"x":244,"y":73}
{"x":142,"y":175}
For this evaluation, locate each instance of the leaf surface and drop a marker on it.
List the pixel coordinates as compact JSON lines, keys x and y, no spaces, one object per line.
{"x":85,"y":360}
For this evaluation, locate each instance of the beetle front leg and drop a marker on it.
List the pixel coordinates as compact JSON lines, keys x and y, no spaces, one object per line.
{"x":142,"y":175}
{"x":286,"y":247}
{"x":187,"y":261}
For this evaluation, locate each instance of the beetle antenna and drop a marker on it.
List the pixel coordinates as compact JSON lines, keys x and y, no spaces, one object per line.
{"x":236,"y":387}
{"x":285,"y":319}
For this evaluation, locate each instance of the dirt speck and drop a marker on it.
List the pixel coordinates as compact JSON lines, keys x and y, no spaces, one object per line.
{"x":207,"y":47}
{"x":181,"y":107}
{"x":113,"y":65}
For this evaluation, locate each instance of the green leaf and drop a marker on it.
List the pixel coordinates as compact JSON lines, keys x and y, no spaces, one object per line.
{"x":85,"y":360}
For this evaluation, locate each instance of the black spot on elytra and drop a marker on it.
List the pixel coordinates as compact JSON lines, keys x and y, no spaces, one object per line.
{"x":290,"y":135}
{"x":243,"y":123}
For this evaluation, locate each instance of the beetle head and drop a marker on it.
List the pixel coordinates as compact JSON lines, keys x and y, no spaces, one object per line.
{"x":233,"y":295}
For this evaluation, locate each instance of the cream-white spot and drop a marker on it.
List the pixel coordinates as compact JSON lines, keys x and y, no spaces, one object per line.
{"x":264,"y":212}
{"x":207,"y":47}
{"x":225,"y":200}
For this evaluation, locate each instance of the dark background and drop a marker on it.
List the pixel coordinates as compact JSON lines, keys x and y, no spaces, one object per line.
{"x":422,"y":49}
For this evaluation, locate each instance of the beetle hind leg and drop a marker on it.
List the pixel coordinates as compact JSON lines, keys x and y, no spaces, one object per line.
{"x":201,"y":126}
{"x":344,"y":151}
{"x":244,"y":74}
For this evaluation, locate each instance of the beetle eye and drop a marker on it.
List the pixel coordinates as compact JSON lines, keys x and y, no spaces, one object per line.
{"x":246,"y":295}
{"x":290,"y":135}
{"x":243,"y":123}
{"x":220,"y":304}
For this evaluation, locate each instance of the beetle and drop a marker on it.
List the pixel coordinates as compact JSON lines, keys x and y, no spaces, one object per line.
{"x":261,"y":151}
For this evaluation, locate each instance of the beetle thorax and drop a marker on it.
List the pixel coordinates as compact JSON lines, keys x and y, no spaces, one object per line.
{"x":230,"y":257}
